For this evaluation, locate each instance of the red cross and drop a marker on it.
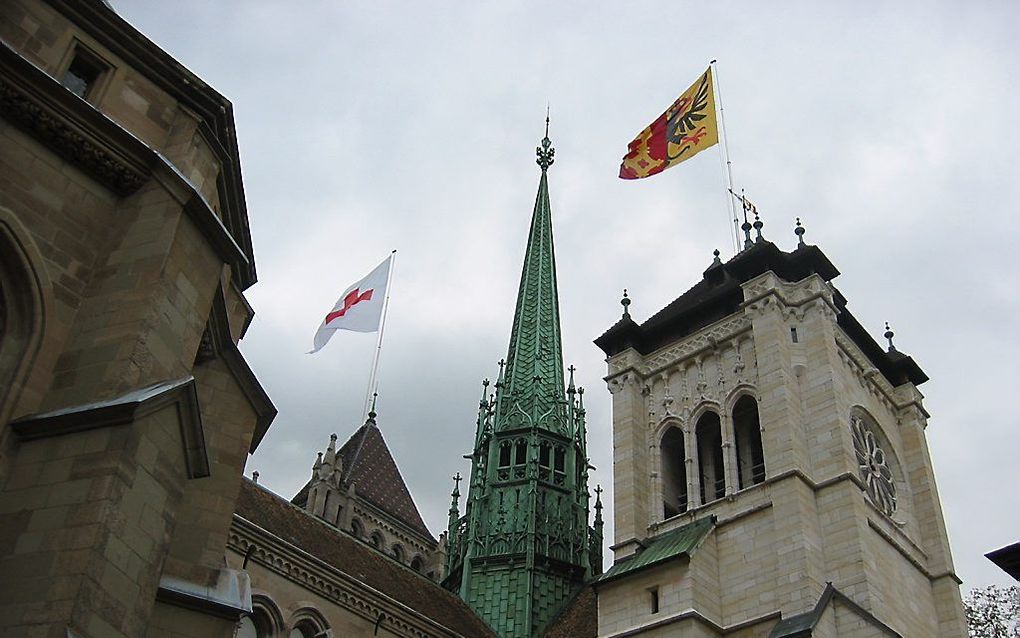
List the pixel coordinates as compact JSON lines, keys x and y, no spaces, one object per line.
{"x":352,"y":298}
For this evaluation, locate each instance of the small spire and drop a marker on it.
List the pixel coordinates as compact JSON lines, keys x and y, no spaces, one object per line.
{"x":570,"y":383}
{"x":545,"y":152}
{"x":799,"y":232}
{"x":598,"y":505}
{"x":625,"y":302}
{"x":371,"y":411}
{"x":758,"y":224}
{"x":454,"y":499}
{"x":485,"y":388}
{"x":716,"y":261}
{"x":889,"y":335}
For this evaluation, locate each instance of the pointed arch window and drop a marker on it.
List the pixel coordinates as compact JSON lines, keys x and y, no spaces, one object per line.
{"x":674,"y":472}
{"x":357,"y":529}
{"x":708,"y":433}
{"x":505,"y":455}
{"x":545,"y":461}
{"x":747,"y":432}
{"x":560,"y":466}
{"x":520,"y":458}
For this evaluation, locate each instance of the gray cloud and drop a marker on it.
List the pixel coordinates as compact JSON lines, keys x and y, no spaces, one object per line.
{"x":889,"y":129}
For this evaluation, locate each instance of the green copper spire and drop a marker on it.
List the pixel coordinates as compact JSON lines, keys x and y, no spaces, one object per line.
{"x":524,"y":547}
{"x":533,"y":381}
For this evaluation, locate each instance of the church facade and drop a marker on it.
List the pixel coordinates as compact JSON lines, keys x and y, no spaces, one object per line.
{"x":771,"y":472}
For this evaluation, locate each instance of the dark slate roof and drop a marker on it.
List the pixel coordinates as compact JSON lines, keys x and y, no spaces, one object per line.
{"x":578,"y":619}
{"x":673,"y":544}
{"x":369,"y":466}
{"x":357,"y":559}
{"x":719,"y":294}
{"x":1008,"y":558}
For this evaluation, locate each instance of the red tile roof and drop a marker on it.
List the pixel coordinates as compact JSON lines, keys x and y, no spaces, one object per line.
{"x":357,"y":559}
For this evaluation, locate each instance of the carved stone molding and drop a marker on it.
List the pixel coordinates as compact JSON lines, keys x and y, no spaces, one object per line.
{"x":56,"y":133}
{"x":705,"y":340}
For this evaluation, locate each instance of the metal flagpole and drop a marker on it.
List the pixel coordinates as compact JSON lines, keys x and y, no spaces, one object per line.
{"x":373,"y":383}
{"x":726,"y":156}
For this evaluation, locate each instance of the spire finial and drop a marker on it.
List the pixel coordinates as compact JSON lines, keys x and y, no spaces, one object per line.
{"x":758,"y":224}
{"x":545,"y":152}
{"x":371,"y":411}
{"x":715,"y":254}
{"x":255,"y":476}
{"x":799,"y":232}
{"x":889,"y":335}
{"x":625,"y":302}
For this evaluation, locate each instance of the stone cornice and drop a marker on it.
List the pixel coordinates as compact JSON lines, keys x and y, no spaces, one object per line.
{"x":706,"y":340}
{"x":871,"y":379}
{"x":298,"y":566}
{"x":82,"y":135}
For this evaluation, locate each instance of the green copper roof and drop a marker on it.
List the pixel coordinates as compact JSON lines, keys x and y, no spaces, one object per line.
{"x":532,"y":385}
{"x":673,"y":544}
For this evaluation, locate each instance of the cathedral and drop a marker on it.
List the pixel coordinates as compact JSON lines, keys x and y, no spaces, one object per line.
{"x":770,"y":466}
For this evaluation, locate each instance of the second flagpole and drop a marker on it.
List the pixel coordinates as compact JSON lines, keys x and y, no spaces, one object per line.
{"x":373,"y":382}
{"x":726,"y":155}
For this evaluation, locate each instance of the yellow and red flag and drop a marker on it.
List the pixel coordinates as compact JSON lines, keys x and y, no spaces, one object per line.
{"x":688,"y":127}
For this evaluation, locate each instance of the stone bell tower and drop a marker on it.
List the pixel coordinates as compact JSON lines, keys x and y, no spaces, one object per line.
{"x":771,"y":471}
{"x":523,"y":547}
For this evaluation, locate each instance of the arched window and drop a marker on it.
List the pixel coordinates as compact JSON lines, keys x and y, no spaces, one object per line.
{"x":21,"y":309}
{"x":747,"y":431}
{"x":560,"y":466}
{"x":503,"y":468}
{"x":417,"y":563}
{"x":708,"y":433}
{"x":545,"y":461}
{"x":398,"y":552}
{"x":262,"y":622}
{"x":674,"y":473}
{"x":377,"y":539}
{"x":520,"y":458}
{"x":308,"y":622}
{"x":357,"y":529}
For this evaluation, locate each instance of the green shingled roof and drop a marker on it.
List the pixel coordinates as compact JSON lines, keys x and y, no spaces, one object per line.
{"x":673,"y":544}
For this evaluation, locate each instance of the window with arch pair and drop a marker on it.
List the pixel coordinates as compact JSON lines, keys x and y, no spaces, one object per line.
{"x":711,"y":478}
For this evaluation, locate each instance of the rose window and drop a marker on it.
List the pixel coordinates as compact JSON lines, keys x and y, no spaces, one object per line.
{"x":875,"y":472}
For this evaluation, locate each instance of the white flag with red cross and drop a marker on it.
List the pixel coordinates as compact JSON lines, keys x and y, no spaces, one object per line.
{"x":359,"y":308}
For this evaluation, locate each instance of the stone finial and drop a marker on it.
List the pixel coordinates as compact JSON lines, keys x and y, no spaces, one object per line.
{"x":255,"y":477}
{"x":758,"y":225}
{"x":715,"y":258}
{"x":799,"y":232}
{"x":625,"y":302}
{"x":889,"y":335}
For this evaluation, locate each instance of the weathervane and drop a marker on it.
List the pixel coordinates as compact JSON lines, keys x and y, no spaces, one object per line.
{"x":747,"y":226}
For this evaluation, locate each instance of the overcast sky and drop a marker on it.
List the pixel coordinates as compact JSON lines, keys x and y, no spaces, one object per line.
{"x":890,"y":129}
